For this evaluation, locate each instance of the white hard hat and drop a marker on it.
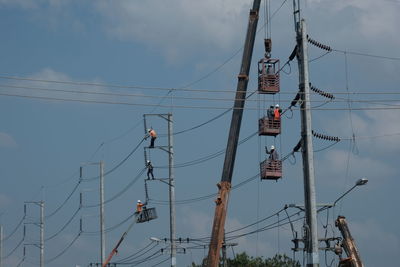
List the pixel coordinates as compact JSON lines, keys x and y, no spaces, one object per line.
{"x":272,"y":147}
{"x":148,"y":161}
{"x":148,"y":130}
{"x":139,"y":201}
{"x":277,"y":105}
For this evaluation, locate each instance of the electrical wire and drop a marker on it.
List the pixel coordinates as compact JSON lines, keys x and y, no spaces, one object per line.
{"x":119,"y":164}
{"x":64,"y":226}
{"x":160,"y":262}
{"x":15,"y":248}
{"x":15,"y":229}
{"x":138,"y":254}
{"x":120,"y":193}
{"x":393,"y":107}
{"x":64,"y":250}
{"x":64,"y":202}
{"x":366,"y":54}
{"x":107,"y":230}
{"x":191,"y":200}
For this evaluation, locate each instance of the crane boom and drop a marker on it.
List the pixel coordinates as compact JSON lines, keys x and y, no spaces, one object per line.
{"x":349,"y":244}
{"x":115,"y":249}
{"x":224,"y":186}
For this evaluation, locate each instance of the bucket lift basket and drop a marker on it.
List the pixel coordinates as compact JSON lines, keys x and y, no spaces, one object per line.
{"x":268,"y":76}
{"x":271,"y":169}
{"x":146,"y":215}
{"x":269,"y":126}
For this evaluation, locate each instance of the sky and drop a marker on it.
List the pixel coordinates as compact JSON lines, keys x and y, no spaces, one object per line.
{"x":76,"y":78}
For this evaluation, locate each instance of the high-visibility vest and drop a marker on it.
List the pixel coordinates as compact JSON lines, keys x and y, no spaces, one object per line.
{"x":277,"y":114}
{"x":139,"y":207}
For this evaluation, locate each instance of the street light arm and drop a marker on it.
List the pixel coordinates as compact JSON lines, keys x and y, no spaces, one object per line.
{"x":348,"y":191}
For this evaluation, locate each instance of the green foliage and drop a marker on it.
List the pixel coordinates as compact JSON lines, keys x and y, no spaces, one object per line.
{"x":244,"y":260}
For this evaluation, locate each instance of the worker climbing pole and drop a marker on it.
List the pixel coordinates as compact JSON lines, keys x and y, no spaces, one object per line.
{"x":217,"y":234}
{"x":269,"y":83}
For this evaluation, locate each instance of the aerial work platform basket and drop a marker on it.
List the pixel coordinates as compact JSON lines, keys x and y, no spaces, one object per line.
{"x":269,"y":126}
{"x":146,"y":215}
{"x":271,"y":169}
{"x":268,"y":76}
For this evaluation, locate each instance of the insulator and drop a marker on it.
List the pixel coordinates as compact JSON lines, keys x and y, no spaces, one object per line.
{"x":297,"y":147}
{"x":294,"y":101}
{"x":322,"y":93}
{"x":293,"y":54}
{"x":325,"y":137}
{"x":318,"y":44}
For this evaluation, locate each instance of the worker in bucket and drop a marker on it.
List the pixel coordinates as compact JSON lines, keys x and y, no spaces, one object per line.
{"x":139,"y":206}
{"x":273,"y":155}
{"x":277,"y":112}
{"x":153,"y":136}
{"x":149,"y":170}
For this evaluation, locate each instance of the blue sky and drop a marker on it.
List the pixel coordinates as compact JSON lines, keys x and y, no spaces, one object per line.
{"x":119,"y":59}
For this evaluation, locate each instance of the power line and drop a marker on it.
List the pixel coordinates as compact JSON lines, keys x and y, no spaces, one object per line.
{"x":120,"y":193}
{"x":64,"y":250}
{"x":65,"y":201}
{"x":119,"y":164}
{"x":64,"y":226}
{"x":366,"y":54}
{"x":15,"y":229}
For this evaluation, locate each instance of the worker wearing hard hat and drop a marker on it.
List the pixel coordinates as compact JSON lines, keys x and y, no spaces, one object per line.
{"x":139,"y":206}
{"x":153,"y":136}
{"x":273,"y":155}
{"x":277,"y":112}
{"x":149,"y":170}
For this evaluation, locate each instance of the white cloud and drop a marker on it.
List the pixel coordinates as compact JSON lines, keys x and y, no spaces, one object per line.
{"x":368,"y":18}
{"x":7,"y":140}
{"x":367,"y":125}
{"x":48,"y":83}
{"x":335,"y":163}
{"x":385,"y":245}
{"x":176,"y":27}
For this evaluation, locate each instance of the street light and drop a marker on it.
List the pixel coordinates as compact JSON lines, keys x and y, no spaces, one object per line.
{"x":359,"y":182}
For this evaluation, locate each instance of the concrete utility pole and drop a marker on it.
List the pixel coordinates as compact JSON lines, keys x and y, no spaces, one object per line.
{"x":311,"y":242}
{"x":171,"y":178}
{"x":171,"y":191}
{"x":224,"y":187}
{"x":41,"y":227}
{"x":102,"y":227}
{"x":348,"y":242}
{"x":41,"y":203}
{"x":1,"y":245}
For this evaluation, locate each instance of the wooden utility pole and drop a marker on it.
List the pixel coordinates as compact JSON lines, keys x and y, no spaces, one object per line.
{"x":224,"y":187}
{"x":348,"y":242}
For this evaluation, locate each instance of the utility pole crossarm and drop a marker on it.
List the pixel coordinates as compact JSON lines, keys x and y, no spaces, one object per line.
{"x":229,"y":162}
